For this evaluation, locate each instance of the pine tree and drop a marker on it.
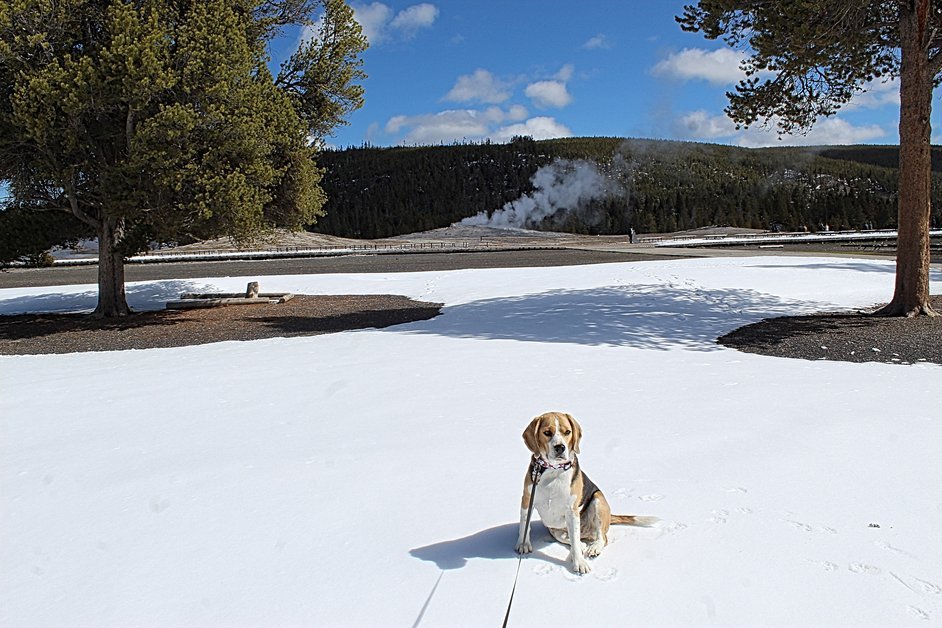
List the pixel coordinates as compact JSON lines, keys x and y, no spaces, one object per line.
{"x":819,"y":54}
{"x":159,"y":119}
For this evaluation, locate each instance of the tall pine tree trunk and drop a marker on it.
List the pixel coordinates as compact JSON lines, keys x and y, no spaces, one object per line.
{"x":112,"y":301}
{"x":911,"y":297}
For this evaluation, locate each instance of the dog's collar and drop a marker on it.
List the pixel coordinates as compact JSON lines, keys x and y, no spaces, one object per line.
{"x":544,"y":465}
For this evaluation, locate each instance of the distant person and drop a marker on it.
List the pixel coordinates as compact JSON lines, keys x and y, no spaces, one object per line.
{"x":631,"y":235}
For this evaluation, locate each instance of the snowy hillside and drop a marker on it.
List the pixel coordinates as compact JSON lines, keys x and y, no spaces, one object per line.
{"x":373,"y":477}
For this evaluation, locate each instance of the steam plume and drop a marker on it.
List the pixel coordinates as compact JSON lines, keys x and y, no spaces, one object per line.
{"x":561,"y":187}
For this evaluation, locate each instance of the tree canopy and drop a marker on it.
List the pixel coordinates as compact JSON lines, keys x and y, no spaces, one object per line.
{"x":807,"y":58}
{"x":155,"y":120}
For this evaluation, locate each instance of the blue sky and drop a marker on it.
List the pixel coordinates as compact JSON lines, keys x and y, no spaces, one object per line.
{"x":454,"y":70}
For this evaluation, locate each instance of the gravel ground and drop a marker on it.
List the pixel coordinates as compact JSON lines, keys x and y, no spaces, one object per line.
{"x":388,"y":263}
{"x":301,"y":316}
{"x":844,"y":337}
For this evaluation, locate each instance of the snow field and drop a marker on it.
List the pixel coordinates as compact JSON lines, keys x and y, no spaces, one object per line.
{"x":373,"y":477}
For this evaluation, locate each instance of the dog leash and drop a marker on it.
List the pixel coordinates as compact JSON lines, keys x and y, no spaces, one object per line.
{"x":536,"y":472}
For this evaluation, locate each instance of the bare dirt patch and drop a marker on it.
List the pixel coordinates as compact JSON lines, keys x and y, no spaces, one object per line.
{"x":854,"y":337}
{"x":304,"y":315}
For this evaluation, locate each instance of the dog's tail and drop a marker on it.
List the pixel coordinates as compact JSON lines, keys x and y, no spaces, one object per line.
{"x":633,"y":520}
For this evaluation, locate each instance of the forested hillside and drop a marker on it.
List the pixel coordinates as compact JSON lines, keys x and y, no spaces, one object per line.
{"x":653,"y":186}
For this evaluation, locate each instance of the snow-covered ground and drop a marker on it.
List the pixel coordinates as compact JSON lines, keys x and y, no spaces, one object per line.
{"x":781,"y":238}
{"x":373,"y":477}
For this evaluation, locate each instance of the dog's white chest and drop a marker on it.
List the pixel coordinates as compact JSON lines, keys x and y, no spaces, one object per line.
{"x":554,"y":499}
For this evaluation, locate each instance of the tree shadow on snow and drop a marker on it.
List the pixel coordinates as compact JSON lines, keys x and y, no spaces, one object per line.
{"x":141,"y":297}
{"x":495,"y":543}
{"x":639,"y":316}
{"x":885,"y":268}
{"x":857,"y":267}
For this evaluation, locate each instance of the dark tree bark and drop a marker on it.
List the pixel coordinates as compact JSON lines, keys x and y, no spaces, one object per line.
{"x":911,"y":296}
{"x":112,"y":300}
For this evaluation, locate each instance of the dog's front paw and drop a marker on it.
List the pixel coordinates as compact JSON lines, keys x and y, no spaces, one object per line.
{"x":524,"y":547}
{"x":594,"y":549}
{"x":580,"y":565}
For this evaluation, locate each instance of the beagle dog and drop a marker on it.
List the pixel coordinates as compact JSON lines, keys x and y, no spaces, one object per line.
{"x":571,"y":506}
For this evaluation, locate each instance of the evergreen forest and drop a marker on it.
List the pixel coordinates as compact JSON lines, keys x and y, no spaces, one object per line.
{"x":656,"y":186}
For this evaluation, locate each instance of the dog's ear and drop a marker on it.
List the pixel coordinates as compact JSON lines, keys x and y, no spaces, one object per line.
{"x":576,"y":433}
{"x":530,"y":435}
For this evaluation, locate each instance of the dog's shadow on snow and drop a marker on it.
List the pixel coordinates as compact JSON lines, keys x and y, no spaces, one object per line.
{"x":495,"y":543}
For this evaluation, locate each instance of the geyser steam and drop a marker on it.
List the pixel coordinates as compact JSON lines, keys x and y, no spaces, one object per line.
{"x":561,"y":187}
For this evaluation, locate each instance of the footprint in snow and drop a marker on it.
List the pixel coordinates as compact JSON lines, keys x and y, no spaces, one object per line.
{"x":918,"y":613}
{"x":924,"y":585}
{"x":864,"y":568}
{"x":805,"y":527}
{"x":886,"y":546}
{"x":670,"y":528}
{"x":573,"y":577}
{"x":158,"y":505}
{"x":801,"y":526}
{"x":719,"y":516}
{"x":929,"y":587}
{"x":544,"y":569}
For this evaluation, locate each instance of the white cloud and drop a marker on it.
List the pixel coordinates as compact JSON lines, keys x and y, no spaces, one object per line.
{"x":565,"y":73}
{"x":371,"y":132}
{"x":433,"y":128}
{"x":552,"y":92}
{"x":700,"y":125}
{"x":722,"y":67}
{"x":489,"y":116}
{"x":546,"y":94}
{"x":517,"y":112}
{"x":394,"y":124}
{"x":410,"y":20}
{"x":877,"y":93}
{"x":373,"y":19}
{"x":539,"y":128}
{"x":380,"y":23}
{"x":481,"y":86}
{"x":598,"y":42}
{"x":514,"y":114}
{"x":472,"y":125}
{"x":834,"y":131}
{"x":719,"y":67}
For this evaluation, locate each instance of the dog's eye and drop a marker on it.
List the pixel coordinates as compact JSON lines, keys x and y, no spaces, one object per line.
{"x":567,"y":432}
{"x":547,"y":433}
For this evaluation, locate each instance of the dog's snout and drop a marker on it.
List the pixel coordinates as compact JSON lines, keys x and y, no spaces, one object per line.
{"x":560,"y":448}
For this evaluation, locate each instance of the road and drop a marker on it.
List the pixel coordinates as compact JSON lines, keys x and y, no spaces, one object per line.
{"x":589,"y":251}
{"x":389,"y":263}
